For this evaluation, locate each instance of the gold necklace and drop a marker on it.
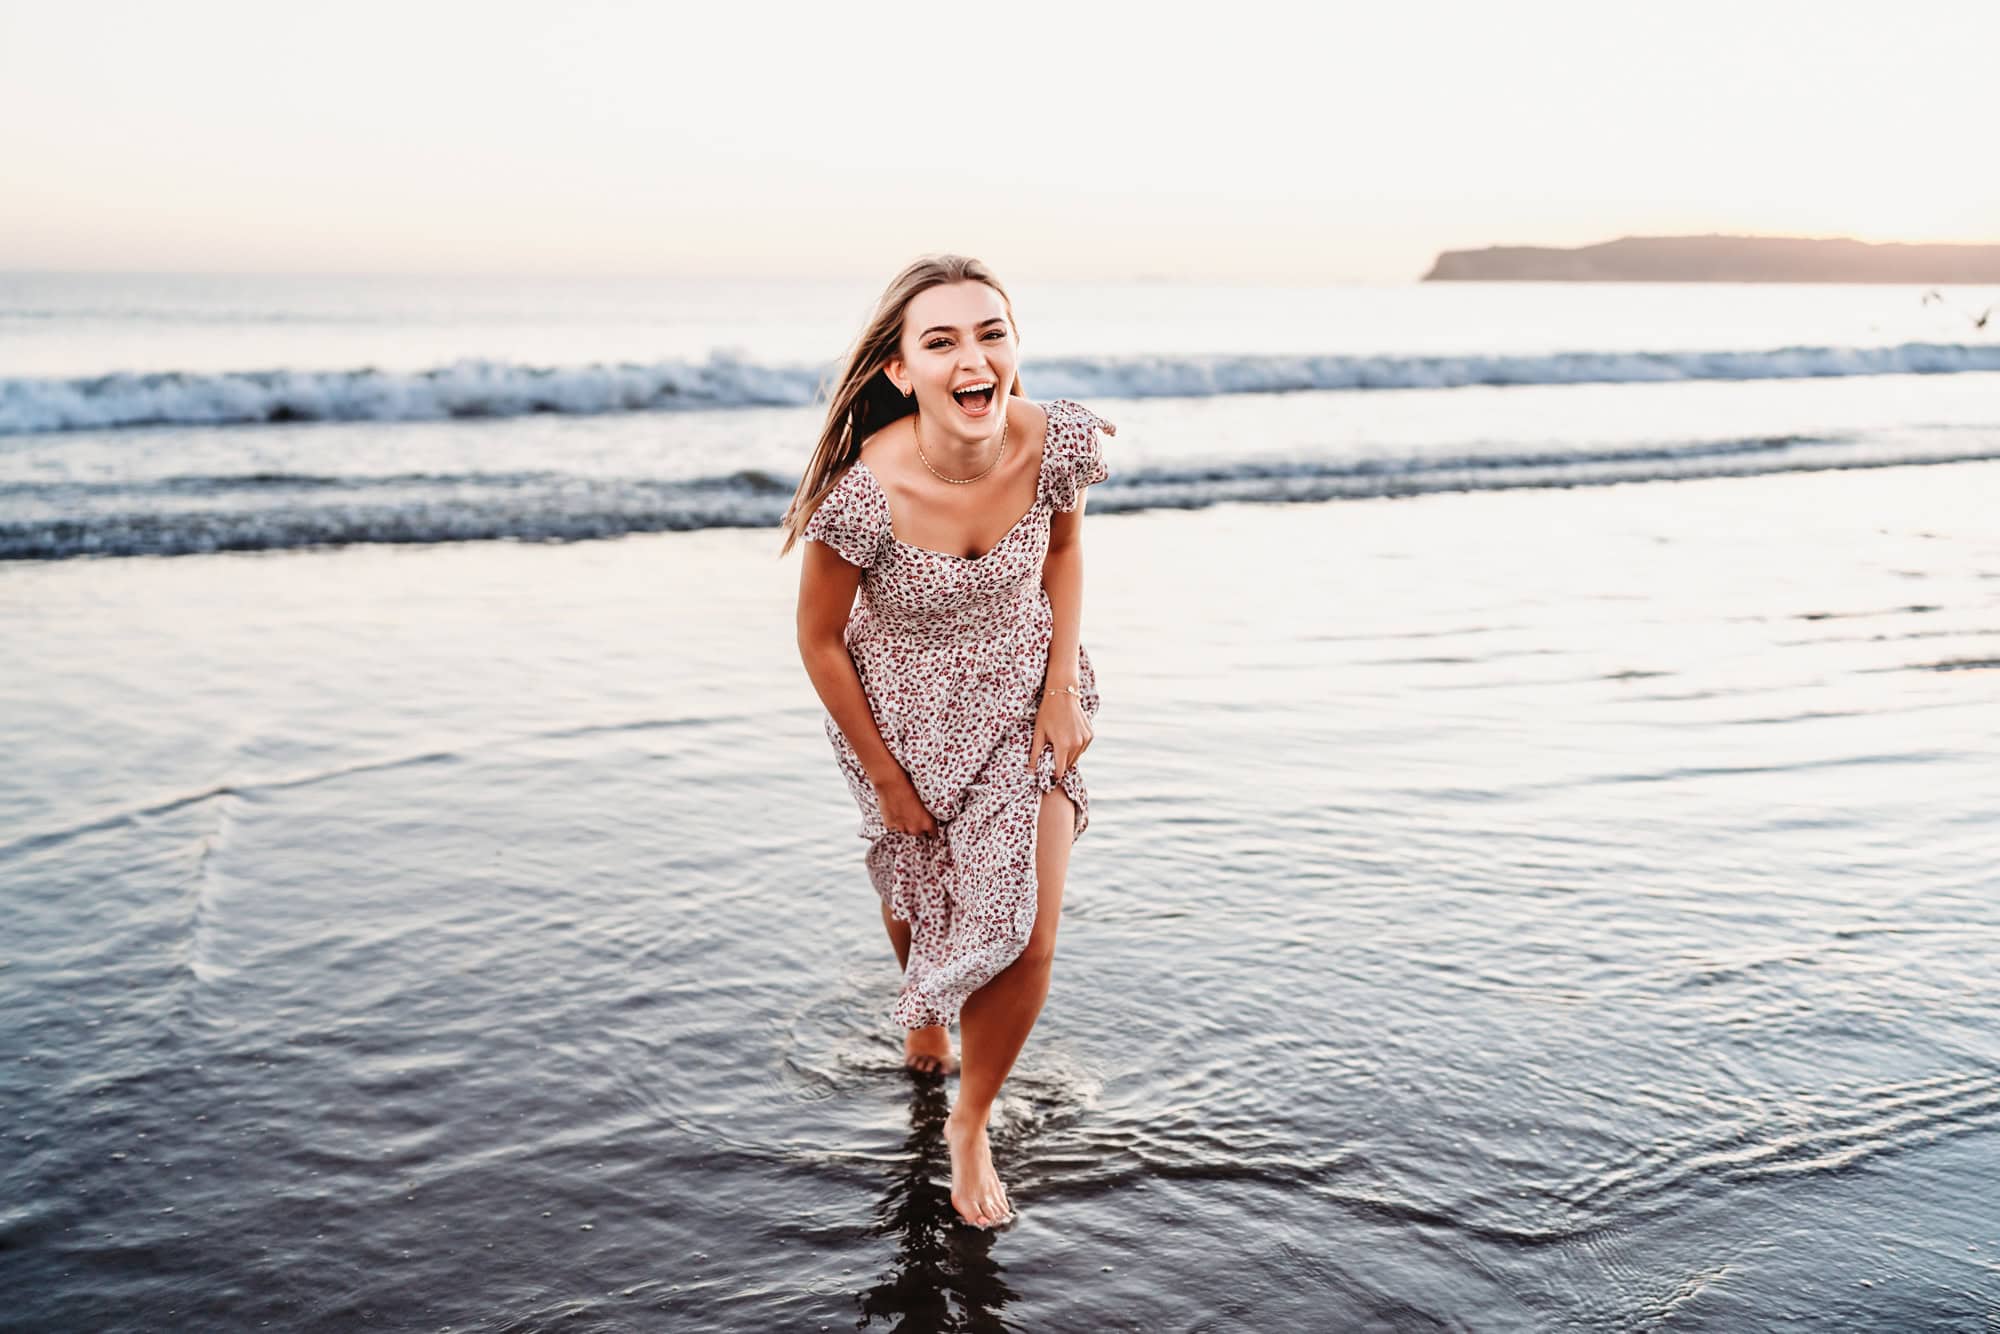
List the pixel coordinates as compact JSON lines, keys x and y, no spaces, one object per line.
{"x":962,"y":481}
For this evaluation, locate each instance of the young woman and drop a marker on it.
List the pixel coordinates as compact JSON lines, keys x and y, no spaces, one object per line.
{"x":958,"y":694}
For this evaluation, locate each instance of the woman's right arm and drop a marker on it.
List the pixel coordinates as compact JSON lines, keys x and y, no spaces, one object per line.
{"x":826,"y":595}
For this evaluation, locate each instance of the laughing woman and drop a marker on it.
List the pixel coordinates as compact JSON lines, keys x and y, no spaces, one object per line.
{"x":940,"y":601}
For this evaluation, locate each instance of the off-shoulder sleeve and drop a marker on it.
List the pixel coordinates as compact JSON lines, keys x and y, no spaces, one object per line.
{"x":853,"y":519}
{"x":1074,"y":459}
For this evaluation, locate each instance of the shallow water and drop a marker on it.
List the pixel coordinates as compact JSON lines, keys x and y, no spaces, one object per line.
{"x":1540,"y":910}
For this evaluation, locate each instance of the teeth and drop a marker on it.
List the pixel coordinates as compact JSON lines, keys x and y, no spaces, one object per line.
{"x":968,"y":388}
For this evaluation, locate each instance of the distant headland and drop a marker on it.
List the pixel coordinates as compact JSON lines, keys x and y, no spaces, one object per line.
{"x":1723,"y":259}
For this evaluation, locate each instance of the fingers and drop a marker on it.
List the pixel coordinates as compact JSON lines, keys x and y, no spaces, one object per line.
{"x":1065,"y":763}
{"x":1065,"y":756}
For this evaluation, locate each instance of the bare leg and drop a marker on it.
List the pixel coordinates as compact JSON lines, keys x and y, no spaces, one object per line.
{"x":927,"y":1050}
{"x":996,"y":1019}
{"x":899,"y":933}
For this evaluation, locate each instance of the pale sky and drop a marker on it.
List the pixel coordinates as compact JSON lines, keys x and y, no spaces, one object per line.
{"x":1251,"y":142}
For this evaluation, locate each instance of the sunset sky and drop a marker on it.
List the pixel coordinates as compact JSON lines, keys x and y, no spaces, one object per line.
{"x":1261,"y":142}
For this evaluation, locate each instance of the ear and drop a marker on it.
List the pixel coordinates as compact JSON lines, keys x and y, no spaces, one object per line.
{"x":895,"y":369}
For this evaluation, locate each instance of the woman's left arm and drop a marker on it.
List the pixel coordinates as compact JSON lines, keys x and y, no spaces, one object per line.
{"x":1062,"y":576}
{"x":1061,"y":721}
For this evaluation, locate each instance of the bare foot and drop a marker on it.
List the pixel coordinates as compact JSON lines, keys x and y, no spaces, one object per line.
{"x":929,"y":1050}
{"x":976,"y":1191}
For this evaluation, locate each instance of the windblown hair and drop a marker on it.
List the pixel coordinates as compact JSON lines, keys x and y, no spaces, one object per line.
{"x":866,"y":399}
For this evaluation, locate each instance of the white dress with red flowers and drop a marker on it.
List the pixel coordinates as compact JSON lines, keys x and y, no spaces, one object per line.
{"x":952,"y":651}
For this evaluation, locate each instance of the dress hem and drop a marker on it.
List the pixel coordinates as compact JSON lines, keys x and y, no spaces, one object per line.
{"x":918,"y":1004}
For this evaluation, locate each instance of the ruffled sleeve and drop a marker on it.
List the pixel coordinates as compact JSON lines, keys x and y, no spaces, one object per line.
{"x":1073,"y":459}
{"x":853,"y":519}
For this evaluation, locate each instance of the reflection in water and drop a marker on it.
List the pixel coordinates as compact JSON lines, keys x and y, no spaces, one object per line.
{"x":947,"y":1276}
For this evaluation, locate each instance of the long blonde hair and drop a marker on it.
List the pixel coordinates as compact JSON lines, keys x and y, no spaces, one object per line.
{"x":866,"y":399}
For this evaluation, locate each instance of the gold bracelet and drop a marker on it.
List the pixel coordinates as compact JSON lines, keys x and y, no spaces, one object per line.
{"x":1066,"y":690}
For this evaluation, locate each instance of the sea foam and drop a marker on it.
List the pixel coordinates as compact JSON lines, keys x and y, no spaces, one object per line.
{"x":473,"y":389}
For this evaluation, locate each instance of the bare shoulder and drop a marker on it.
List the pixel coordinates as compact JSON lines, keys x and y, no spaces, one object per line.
{"x":1033,"y":417}
{"x":879,"y":449}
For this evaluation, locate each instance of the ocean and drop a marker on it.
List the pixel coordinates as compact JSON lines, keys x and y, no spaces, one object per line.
{"x":175,"y":415}
{"x":1542,"y":870}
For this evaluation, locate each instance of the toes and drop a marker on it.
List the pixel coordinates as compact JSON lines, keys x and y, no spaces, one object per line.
{"x":977,"y":1211}
{"x":931,"y":1063}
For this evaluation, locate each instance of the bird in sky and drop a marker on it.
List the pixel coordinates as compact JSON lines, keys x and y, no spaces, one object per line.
{"x":1978,"y":321}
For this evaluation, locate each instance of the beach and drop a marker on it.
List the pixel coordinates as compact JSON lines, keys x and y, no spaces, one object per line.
{"x":1520,"y":908}
{"x":1541,"y":871}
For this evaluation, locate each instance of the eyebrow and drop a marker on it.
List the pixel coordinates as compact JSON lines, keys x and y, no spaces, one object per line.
{"x":946,"y":328}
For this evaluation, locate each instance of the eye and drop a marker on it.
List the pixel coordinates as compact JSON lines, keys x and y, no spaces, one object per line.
{"x":940,"y":342}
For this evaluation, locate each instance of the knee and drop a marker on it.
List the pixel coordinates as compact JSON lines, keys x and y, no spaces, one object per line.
{"x":1040,"y":949}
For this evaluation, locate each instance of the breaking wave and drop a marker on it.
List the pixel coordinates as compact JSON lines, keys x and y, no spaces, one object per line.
{"x":255,"y":511}
{"x":472,"y":389}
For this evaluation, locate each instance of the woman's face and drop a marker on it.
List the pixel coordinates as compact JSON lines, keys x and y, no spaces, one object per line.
{"x":956,"y":335}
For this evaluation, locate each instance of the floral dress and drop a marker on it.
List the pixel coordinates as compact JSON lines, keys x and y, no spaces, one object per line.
{"x":952,"y":651}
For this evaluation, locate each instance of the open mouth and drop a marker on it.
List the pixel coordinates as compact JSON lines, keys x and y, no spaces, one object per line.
{"x":974,"y":402}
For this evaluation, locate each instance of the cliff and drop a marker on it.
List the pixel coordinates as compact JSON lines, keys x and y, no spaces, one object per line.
{"x":1723,"y":259}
